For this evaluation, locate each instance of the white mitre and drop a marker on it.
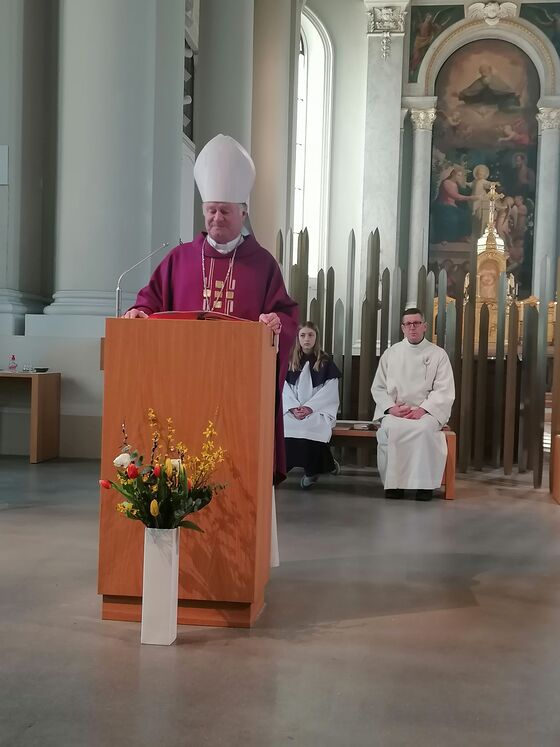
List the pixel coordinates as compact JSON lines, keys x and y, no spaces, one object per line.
{"x":224,"y":171}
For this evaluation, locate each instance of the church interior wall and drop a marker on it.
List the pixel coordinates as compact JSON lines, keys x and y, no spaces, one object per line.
{"x":346,"y":25}
{"x":28,"y":124}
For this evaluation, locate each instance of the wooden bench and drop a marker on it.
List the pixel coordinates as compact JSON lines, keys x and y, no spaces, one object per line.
{"x":345,"y":430}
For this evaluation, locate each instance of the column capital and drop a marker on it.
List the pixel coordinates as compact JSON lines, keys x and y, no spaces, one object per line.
{"x":548,"y":118}
{"x":422,"y":119}
{"x":386,"y":17}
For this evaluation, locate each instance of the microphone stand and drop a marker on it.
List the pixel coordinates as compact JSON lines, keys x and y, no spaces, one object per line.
{"x":118,"y":294}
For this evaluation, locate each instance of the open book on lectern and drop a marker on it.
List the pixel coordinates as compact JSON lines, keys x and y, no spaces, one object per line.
{"x":196,"y":315}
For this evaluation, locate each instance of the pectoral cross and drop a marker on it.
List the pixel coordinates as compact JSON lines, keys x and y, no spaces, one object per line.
{"x":220,"y":297}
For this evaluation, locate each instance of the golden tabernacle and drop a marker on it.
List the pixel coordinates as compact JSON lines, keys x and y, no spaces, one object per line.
{"x":491,"y":262}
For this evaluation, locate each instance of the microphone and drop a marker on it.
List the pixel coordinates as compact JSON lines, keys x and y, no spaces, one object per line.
{"x":118,"y":288}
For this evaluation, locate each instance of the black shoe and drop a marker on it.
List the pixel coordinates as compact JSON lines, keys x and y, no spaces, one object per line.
{"x":424,"y":495}
{"x":394,"y":493}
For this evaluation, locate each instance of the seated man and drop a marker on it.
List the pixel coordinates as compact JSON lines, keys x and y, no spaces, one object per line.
{"x":413,"y":391}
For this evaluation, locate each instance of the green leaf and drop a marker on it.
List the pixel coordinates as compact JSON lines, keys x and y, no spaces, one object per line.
{"x":190,"y":525}
{"x":121,"y":490}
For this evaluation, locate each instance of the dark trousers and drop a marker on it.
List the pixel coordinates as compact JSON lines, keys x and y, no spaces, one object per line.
{"x":314,"y":456}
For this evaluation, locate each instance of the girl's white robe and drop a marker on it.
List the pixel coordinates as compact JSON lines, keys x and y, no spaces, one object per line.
{"x":323,"y":400}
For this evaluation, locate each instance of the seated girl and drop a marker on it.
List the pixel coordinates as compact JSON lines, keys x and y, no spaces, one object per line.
{"x":310,"y":400}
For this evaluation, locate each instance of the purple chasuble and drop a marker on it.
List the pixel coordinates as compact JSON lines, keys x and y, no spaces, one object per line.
{"x":254,"y":286}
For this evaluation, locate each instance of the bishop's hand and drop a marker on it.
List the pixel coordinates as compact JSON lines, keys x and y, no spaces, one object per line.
{"x":135,"y":314}
{"x":272,"y":321}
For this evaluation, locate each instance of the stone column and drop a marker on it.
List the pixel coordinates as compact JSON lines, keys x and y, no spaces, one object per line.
{"x":120,"y":117}
{"x":405,"y":166}
{"x":25,"y":249}
{"x":422,"y":123}
{"x":383,"y":126}
{"x":548,"y":190}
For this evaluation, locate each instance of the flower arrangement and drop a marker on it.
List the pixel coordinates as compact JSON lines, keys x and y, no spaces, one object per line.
{"x":173,"y":485}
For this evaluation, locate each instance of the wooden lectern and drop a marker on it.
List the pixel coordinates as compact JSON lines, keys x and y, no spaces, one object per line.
{"x":193,"y":371}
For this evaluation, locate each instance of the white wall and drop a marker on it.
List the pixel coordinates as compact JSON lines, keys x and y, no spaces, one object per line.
{"x":346,"y":23}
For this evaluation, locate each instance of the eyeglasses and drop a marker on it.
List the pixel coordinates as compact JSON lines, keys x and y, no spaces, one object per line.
{"x":412,"y":324}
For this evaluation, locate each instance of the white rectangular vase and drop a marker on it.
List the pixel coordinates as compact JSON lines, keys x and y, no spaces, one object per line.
{"x":160,"y":587}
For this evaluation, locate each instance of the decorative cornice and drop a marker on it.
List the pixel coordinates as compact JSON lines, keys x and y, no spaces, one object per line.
{"x":492,"y":12}
{"x":423,"y":119}
{"x":548,"y":118}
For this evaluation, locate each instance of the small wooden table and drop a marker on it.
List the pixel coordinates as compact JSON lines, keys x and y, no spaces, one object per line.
{"x":44,"y":431}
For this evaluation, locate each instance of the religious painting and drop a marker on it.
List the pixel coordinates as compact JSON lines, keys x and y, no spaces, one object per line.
{"x":485,"y":132}
{"x":426,"y":24}
{"x":546,"y":18}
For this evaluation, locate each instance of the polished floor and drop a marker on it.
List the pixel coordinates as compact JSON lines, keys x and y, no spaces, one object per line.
{"x":387,"y":624}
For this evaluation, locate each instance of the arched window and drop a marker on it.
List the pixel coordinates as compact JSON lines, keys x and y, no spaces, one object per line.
{"x":313,"y":139}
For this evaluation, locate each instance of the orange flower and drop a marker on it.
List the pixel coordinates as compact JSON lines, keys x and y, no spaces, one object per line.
{"x":189,"y":484}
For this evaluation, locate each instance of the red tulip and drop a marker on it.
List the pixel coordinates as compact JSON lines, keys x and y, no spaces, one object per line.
{"x":189,"y":484}
{"x":132,"y":471}
{"x":105,"y":484}
{"x":157,"y":470}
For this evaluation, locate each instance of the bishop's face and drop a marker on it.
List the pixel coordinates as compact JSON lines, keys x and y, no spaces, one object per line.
{"x":414,"y":328}
{"x":223,"y":220}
